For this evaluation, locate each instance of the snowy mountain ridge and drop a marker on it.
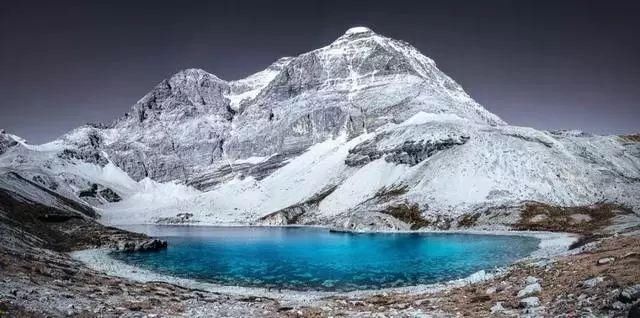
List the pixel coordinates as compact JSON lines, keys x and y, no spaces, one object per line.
{"x":337,"y":136}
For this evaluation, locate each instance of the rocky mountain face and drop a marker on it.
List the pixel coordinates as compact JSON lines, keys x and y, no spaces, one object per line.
{"x":365,"y":128}
{"x":194,"y":122}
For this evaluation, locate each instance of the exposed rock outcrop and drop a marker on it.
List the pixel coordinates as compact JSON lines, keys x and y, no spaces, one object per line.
{"x":141,"y":246}
{"x":6,"y":141}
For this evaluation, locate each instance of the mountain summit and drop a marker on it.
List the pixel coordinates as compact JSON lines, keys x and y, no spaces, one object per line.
{"x":343,"y":135}
{"x":194,"y":119}
{"x":358,"y":30}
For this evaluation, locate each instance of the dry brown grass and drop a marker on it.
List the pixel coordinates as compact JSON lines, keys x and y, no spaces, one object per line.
{"x":538,"y":216}
{"x":631,"y":138}
{"x":408,"y":213}
{"x":468,"y":220}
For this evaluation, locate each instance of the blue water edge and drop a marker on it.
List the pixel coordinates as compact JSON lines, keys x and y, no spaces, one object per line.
{"x":317,"y":259}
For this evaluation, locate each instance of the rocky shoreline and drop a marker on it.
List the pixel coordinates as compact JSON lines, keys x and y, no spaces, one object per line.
{"x":40,"y":279}
{"x":568,"y":286}
{"x":551,"y":245}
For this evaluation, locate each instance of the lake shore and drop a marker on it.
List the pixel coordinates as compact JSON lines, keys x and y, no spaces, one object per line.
{"x":551,"y":244}
{"x":39,"y":279}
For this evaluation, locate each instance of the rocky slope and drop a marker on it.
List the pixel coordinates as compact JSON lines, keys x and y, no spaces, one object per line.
{"x":363,"y":133}
{"x":38,"y":279}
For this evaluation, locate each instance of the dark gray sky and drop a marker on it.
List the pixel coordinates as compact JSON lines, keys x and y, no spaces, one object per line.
{"x":571,"y":64}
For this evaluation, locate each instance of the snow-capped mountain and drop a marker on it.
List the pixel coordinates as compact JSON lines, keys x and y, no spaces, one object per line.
{"x":339,"y":135}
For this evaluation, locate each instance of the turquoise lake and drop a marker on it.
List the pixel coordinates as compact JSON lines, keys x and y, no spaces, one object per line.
{"x":317,"y":259}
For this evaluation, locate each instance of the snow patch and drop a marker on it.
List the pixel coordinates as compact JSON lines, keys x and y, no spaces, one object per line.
{"x":423,"y":118}
{"x":362,"y":185}
{"x":252,"y":160}
{"x":358,"y":29}
{"x":140,"y":206}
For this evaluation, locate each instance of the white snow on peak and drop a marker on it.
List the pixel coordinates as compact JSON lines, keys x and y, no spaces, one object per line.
{"x":405,"y":105}
{"x":358,"y":29}
{"x":248,"y":88}
{"x":423,"y":118}
{"x":193,"y":73}
{"x":17,"y":138}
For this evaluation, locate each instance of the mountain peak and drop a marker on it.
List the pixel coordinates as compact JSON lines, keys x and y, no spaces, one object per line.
{"x":194,"y":73}
{"x":358,"y":30}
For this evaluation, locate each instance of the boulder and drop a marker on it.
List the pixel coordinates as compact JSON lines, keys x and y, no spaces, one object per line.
{"x":152,"y":245}
{"x":531,"y":289}
{"x":539,"y":218}
{"x":593,"y":282}
{"x":617,"y":305}
{"x":606,"y":260}
{"x":630,"y":294}
{"x":531,"y":280}
{"x":497,"y":308}
{"x":634,"y":311}
{"x":529,"y":302}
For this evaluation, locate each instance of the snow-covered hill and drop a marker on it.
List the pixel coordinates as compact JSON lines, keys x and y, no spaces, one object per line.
{"x":339,"y":135}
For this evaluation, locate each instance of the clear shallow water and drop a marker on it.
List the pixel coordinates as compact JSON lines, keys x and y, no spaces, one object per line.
{"x":316,"y":259}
